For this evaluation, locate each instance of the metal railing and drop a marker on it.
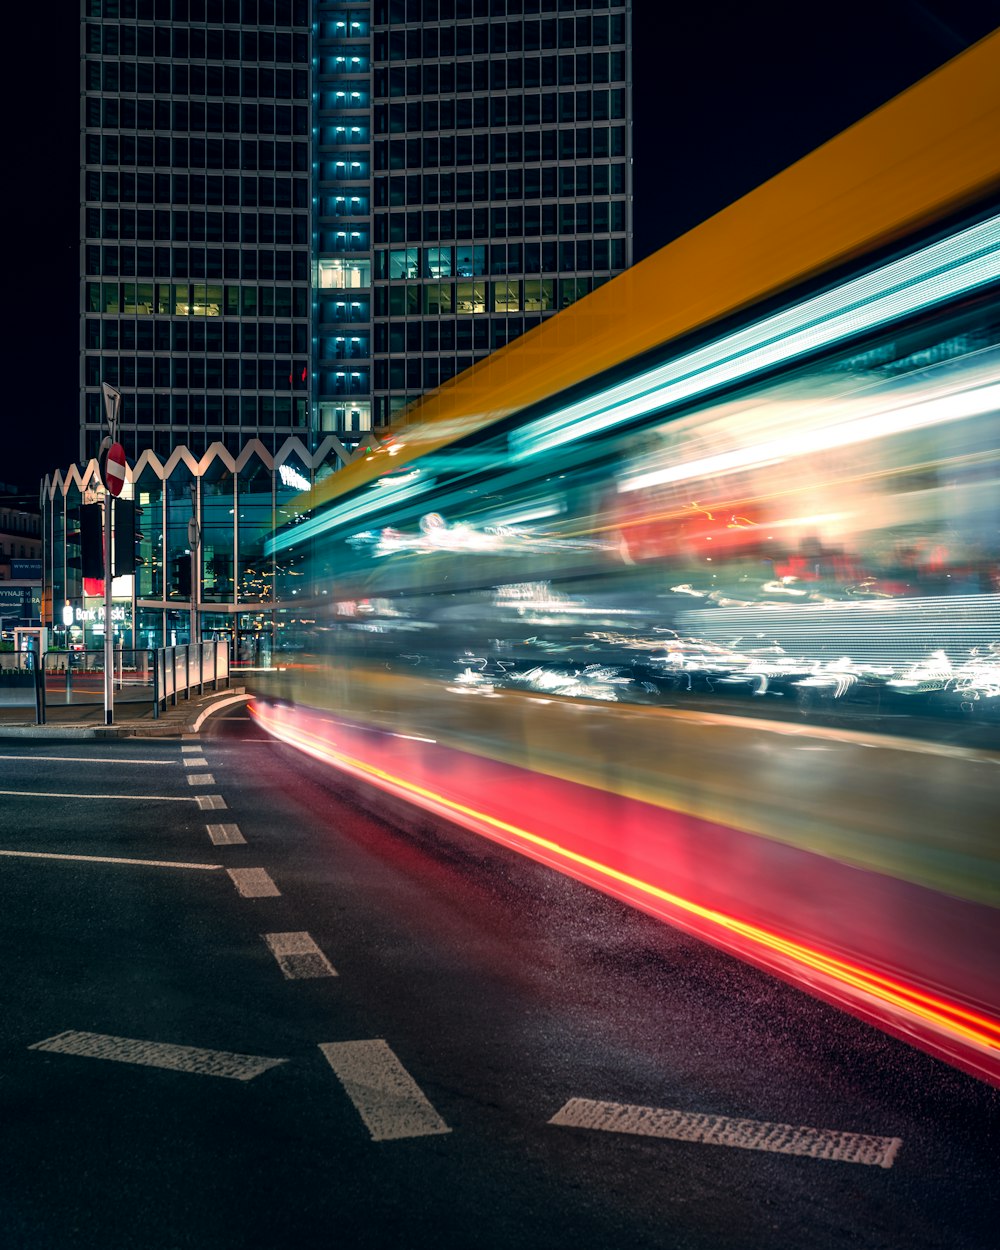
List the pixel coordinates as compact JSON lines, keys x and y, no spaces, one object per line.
{"x":142,"y":679}
{"x":21,"y":682}
{"x":179,"y":670}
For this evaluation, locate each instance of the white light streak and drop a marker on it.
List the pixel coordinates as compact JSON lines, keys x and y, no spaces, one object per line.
{"x":352,"y":510}
{"x":914,"y":416}
{"x":961,"y":263}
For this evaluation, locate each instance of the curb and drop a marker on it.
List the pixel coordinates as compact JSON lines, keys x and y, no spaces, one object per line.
{"x":173,"y":723}
{"x":217,"y":707}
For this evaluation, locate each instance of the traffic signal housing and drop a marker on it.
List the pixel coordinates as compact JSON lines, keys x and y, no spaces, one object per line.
{"x":91,"y":541}
{"x":128,"y":536}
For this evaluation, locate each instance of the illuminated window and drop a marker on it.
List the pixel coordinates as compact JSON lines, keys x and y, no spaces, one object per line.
{"x":207,"y":300}
{"x":355,"y":416}
{"x":506,"y":296}
{"x":344,"y":274}
{"x":471,"y":261}
{"x":438,"y":262}
{"x":404,"y":262}
{"x":470,"y":297}
{"x":539,"y":294}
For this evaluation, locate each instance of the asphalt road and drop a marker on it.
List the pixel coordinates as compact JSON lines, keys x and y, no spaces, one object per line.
{"x":239,"y":1012}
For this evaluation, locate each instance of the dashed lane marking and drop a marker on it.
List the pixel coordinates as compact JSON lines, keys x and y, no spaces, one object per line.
{"x":720,"y":1130}
{"x":201,"y":779}
{"x":226,"y":835}
{"x":298,"y":956}
{"x":384,"y":1094}
{"x":158,"y":1055}
{"x":210,"y":802}
{"x":107,"y":859}
{"x":253,"y":882}
{"x":194,"y":761}
{"x":136,"y":798}
{"x":196,"y":749}
{"x":82,"y":759}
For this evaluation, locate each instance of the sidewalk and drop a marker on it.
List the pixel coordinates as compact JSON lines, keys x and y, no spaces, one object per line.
{"x":87,"y":720}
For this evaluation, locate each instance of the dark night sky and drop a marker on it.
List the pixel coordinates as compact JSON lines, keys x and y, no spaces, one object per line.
{"x":726,"y":95}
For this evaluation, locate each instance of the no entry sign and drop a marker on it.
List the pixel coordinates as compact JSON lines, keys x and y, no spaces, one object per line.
{"x":114,"y":468}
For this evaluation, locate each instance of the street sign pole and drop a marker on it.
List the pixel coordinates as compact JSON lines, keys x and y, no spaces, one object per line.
{"x":109,"y":638}
{"x":112,"y":405}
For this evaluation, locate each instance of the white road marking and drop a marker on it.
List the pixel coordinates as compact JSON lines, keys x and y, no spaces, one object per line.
{"x":386,"y":1097}
{"x":82,"y":759}
{"x":106,"y":859}
{"x":201,"y":779}
{"x":721,"y":1130}
{"x":194,"y":761}
{"x":253,"y":882}
{"x":298,"y":956}
{"x":158,"y":1055}
{"x":139,"y":798}
{"x":215,"y":707}
{"x":226,"y":835}
{"x":210,"y":802}
{"x":198,"y":749}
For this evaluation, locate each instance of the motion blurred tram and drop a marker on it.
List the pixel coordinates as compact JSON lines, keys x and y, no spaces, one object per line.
{"x":693,"y":592}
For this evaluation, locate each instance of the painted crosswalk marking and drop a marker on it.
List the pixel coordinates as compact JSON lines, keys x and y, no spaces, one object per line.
{"x":253,"y":882}
{"x":106,"y":859}
{"x":201,"y":779}
{"x":721,"y":1130}
{"x":384,"y":1094}
{"x":226,"y":835}
{"x":194,"y":761}
{"x":135,"y":798}
{"x":158,"y":1055}
{"x":210,"y":802}
{"x":84,"y":759}
{"x":197,"y":750}
{"x":298,"y":956}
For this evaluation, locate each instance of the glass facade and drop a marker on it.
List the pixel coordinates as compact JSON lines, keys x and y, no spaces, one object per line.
{"x":240,"y":593}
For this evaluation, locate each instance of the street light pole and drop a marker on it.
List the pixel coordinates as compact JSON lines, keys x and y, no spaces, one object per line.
{"x":194,"y":543}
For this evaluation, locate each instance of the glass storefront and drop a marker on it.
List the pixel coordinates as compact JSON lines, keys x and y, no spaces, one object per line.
{"x":201,"y":529}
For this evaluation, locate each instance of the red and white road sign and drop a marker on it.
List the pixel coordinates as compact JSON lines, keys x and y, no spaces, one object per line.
{"x":114,"y":468}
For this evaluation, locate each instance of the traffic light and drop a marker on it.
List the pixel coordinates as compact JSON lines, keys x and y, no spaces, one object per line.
{"x":91,"y":541}
{"x":128,"y":536}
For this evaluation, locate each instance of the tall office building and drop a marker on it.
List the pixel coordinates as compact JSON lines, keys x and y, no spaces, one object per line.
{"x":298,"y":215}
{"x":196,"y":220}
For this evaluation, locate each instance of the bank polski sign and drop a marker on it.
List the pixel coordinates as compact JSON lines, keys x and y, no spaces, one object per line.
{"x":94,"y":616}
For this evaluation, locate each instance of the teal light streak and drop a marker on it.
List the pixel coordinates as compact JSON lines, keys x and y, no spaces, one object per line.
{"x":952,"y":267}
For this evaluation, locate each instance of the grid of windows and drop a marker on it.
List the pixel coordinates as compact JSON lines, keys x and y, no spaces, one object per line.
{"x":196,"y":238}
{"x":501,"y":152}
{"x":298,"y":214}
